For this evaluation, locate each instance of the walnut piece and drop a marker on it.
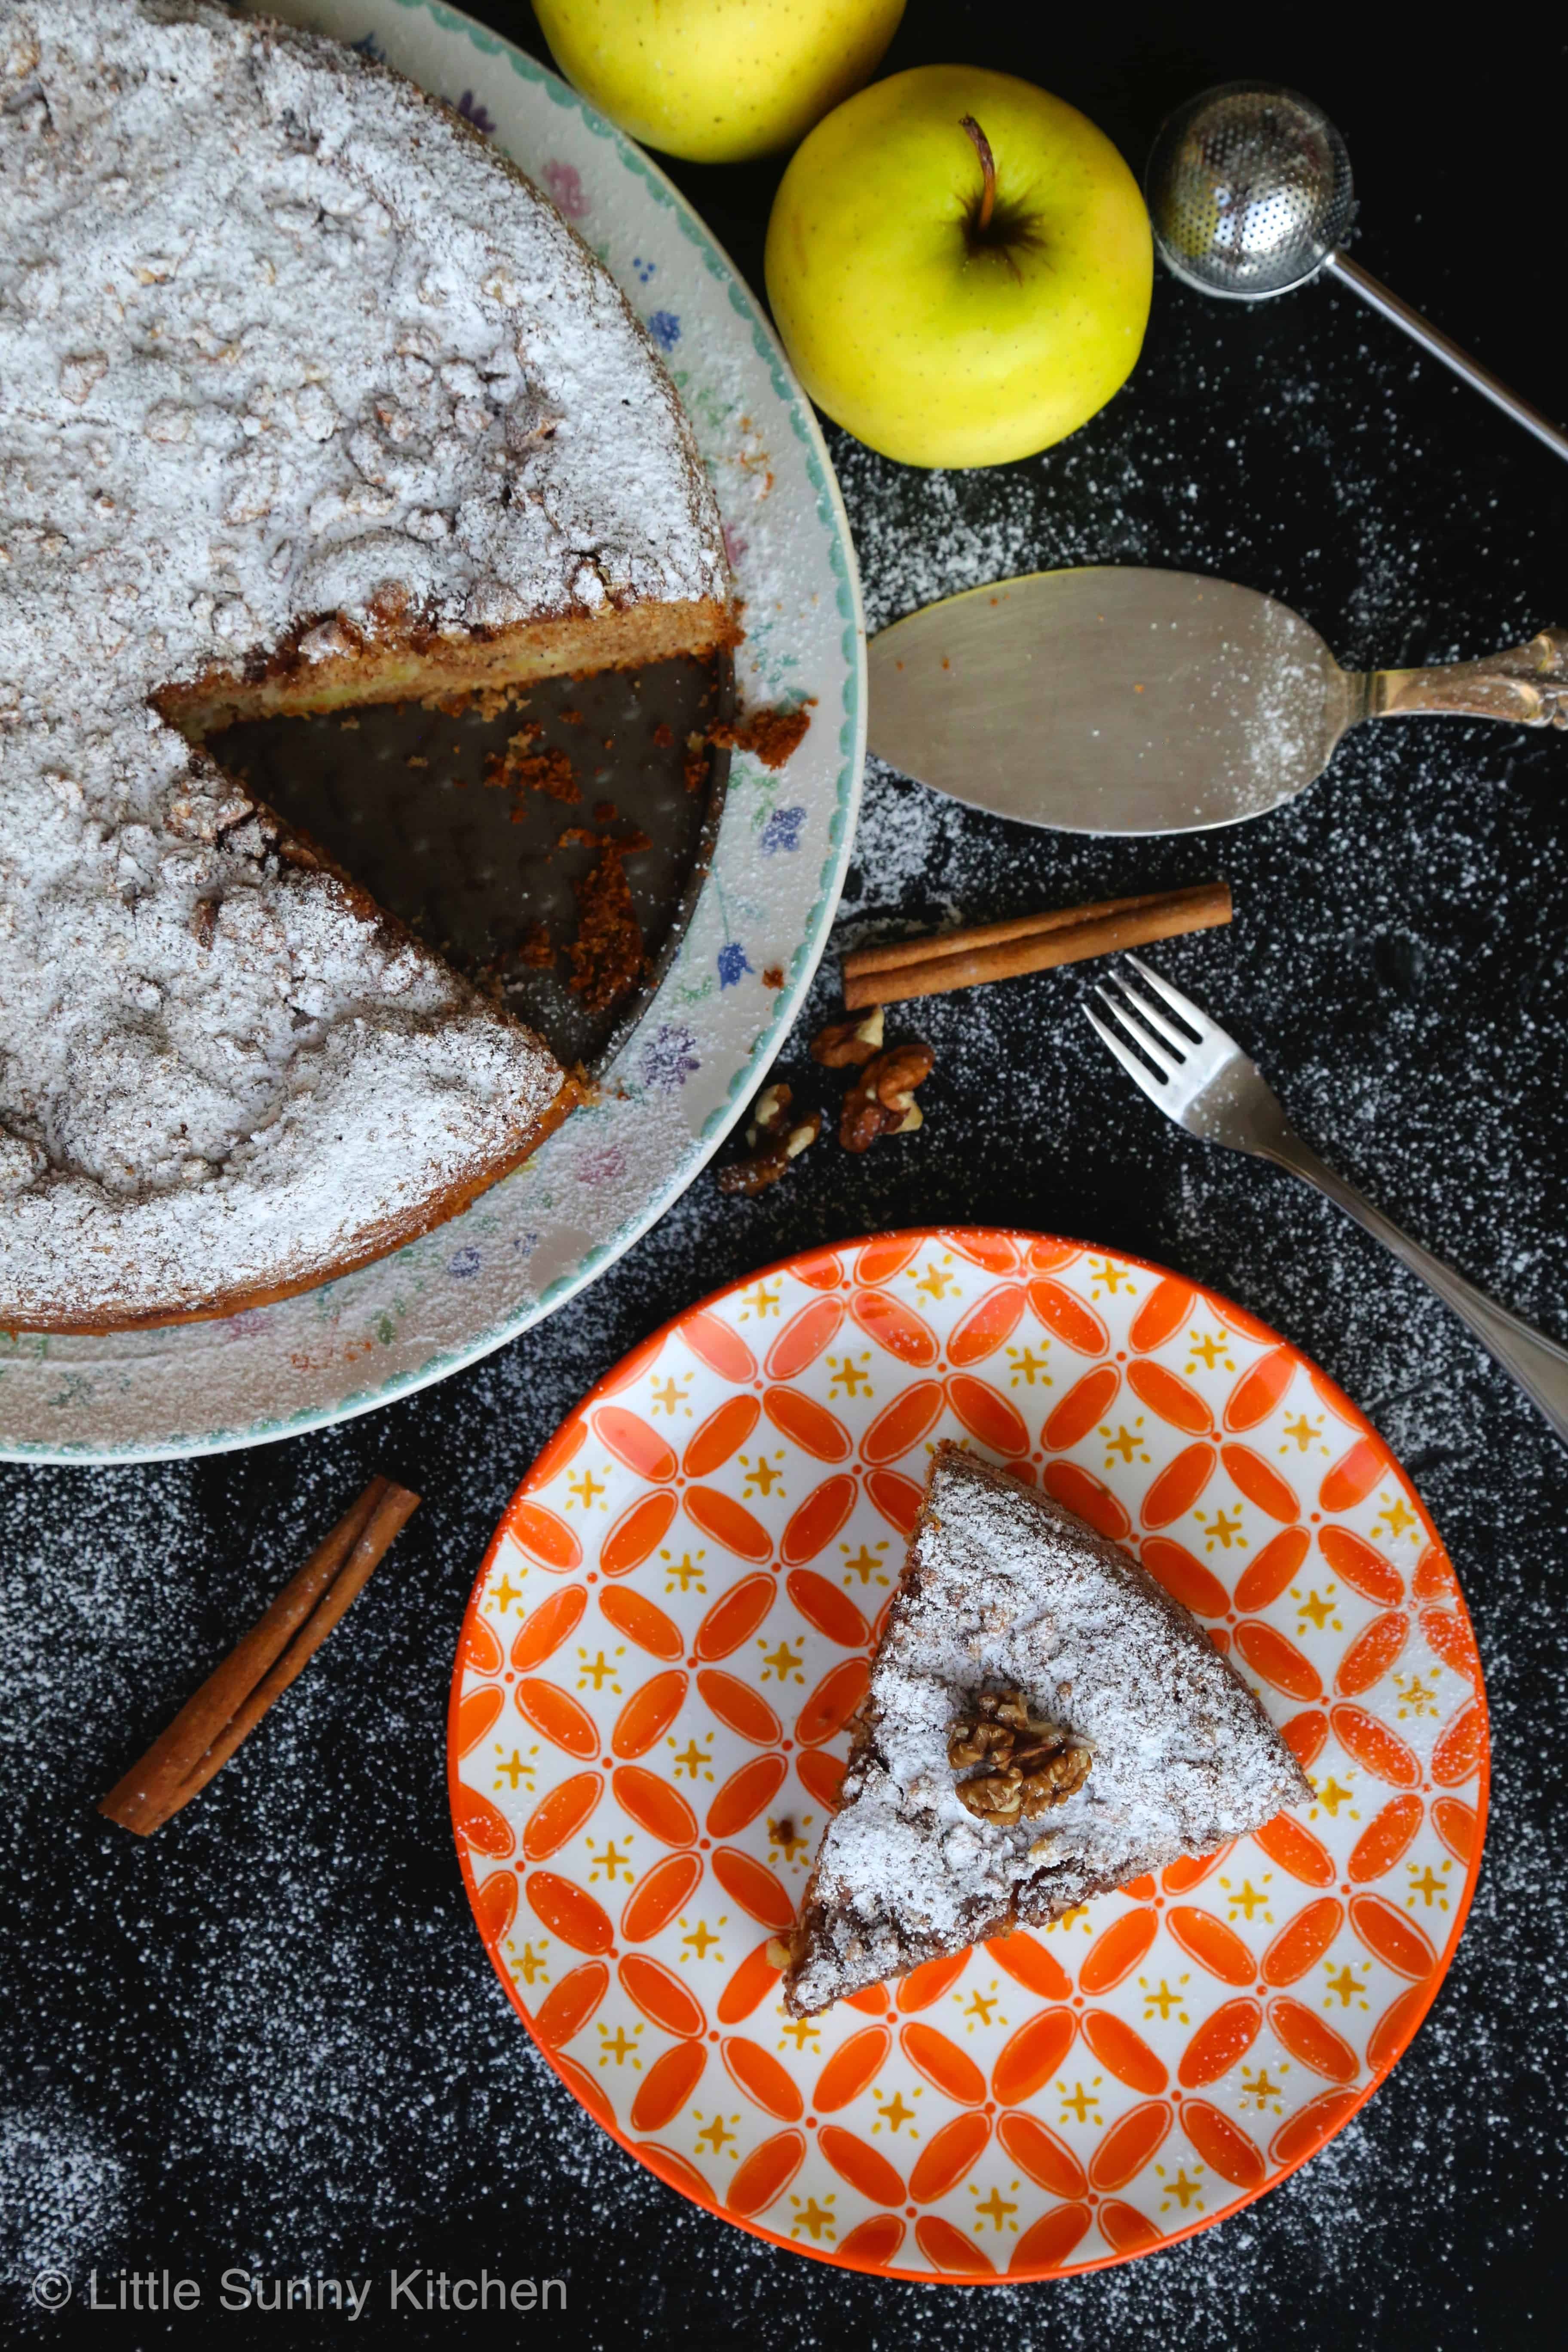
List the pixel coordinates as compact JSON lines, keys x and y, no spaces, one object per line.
{"x":773,"y":1139}
{"x":1027,"y":1764}
{"x":845,"y":1045}
{"x":882,"y":1099}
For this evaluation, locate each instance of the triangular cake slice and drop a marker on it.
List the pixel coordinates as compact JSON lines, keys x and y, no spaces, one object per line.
{"x":1043,"y":1722}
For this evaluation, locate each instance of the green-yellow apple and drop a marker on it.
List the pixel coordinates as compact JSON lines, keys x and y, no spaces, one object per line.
{"x":959,"y":265}
{"x":718,"y":81}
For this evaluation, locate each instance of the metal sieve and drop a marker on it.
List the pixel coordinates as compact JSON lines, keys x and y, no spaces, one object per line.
{"x":1250,"y":194}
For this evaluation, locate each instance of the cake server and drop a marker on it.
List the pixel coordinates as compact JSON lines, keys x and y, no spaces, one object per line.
{"x":1208,"y":1085}
{"x":1112,"y":700}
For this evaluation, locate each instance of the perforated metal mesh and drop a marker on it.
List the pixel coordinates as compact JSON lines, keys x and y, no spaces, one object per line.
{"x":1250,"y":190}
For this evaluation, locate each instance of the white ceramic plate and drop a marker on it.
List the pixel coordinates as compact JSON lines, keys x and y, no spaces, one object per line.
{"x":689,"y":1067}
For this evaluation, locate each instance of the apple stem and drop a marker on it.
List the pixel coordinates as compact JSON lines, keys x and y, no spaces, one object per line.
{"x":988,"y":167}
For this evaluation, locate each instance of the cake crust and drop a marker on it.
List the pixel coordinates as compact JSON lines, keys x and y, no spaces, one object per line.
{"x":306,"y":398}
{"x":1004,"y":1590}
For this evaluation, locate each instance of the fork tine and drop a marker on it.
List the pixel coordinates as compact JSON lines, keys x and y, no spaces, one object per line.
{"x":1139,"y":1072}
{"x":1178,"y":1003}
{"x":1153,"y":1018}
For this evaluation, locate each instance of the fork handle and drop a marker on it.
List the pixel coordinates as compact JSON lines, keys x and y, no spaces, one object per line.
{"x":1538,"y":1364}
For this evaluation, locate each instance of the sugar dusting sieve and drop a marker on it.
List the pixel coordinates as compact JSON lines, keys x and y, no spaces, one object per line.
{"x":1250,"y":194}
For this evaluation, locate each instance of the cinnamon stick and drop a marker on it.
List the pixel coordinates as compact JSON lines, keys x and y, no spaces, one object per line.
{"x":984,"y":952}
{"x":211,"y":1725}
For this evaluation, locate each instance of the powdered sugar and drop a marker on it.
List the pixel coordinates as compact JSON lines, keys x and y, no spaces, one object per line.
{"x":1007,"y":1589}
{"x":278,"y":344}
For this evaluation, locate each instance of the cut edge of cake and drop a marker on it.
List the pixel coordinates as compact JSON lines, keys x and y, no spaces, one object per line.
{"x":1013,"y":1612}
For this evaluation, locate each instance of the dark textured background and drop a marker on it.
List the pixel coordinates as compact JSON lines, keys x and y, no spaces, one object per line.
{"x":270,"y":2037}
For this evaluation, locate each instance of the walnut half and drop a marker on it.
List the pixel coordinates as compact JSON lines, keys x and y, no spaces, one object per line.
{"x":1026,"y":1765}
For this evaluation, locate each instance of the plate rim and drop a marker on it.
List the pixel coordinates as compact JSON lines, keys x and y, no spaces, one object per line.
{"x":612,"y":1379}
{"x":805,"y":956}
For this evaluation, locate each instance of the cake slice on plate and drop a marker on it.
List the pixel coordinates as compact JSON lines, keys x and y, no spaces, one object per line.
{"x":1043,"y":1722}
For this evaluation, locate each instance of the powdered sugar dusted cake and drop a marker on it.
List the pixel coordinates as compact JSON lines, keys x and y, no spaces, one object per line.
{"x":1043,"y":1722}
{"x":306,"y":398}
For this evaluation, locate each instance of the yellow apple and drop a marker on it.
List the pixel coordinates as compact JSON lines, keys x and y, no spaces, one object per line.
{"x":718,"y":81}
{"x":959,"y":265}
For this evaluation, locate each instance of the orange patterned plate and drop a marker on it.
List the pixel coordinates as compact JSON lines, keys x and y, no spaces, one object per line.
{"x":670,"y":1635}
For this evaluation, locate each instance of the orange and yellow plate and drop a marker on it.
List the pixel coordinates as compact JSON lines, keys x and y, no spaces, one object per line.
{"x":649,"y":1710}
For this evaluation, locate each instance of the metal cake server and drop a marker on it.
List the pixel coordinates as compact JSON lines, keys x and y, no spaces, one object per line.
{"x":1208,"y":1085}
{"x":1110,"y":700}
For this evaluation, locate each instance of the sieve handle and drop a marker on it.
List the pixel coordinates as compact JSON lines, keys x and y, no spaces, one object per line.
{"x":1421,"y":331}
{"x":1527,"y":686}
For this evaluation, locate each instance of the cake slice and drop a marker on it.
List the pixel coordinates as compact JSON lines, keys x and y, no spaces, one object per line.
{"x":1043,"y":1722}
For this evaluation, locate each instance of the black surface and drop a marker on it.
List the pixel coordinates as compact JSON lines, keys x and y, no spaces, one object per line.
{"x":270,"y":2038}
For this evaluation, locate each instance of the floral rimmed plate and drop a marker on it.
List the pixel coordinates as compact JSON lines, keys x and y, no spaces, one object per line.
{"x":697,"y":1054}
{"x":650,"y":1713}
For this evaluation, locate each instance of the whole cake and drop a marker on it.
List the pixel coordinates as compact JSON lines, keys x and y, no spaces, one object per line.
{"x":1043,"y":1722}
{"x":306,"y":398}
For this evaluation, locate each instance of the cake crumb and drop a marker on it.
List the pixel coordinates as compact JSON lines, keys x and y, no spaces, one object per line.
{"x":772,"y":735}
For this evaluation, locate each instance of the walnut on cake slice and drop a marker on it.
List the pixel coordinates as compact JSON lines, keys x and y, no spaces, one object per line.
{"x":1043,"y":1722}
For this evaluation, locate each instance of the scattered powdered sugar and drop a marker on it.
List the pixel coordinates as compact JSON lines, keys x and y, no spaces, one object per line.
{"x":280,"y":343}
{"x":1007,"y":1590}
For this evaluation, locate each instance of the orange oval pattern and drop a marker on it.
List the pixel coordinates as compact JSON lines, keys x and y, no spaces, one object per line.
{"x":1042,"y":2153}
{"x":734,"y":1617}
{"x":1068,"y":1318}
{"x":739,"y":1707}
{"x":655,"y":1804}
{"x":543,"y":1631}
{"x":807,"y":1423}
{"x":727,"y":1768}
{"x":862,"y":2165}
{"x":1362,"y":1566}
{"x":721,"y":1436}
{"x":982,"y":1330}
{"x":814,"y":1524}
{"x":764,"y":2082}
{"x":749,"y":1789}
{"x":560,"y":1814}
{"x":1083,"y":1408}
{"x":1172,"y":1398}
{"x":1302,"y":1942}
{"x":636,"y":1535}
{"x":803,"y":1338}
{"x":1270,"y":1571}
{"x":642,"y":1621}
{"x":661,"y":1996}
{"x":948,"y":2156}
{"x":852,"y":2067}
{"x":726,"y":1523}
{"x":668,"y":2085}
{"x":648,"y":1714}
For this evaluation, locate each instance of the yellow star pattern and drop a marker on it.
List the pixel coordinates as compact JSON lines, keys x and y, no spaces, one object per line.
{"x":506,"y":1593}
{"x":693,"y":1760}
{"x":813,"y":2217}
{"x":994,"y":2208}
{"x":981,"y":2005}
{"x":849,"y":1375}
{"x":616,"y":2045}
{"x":895,"y":2115}
{"x":1082,"y":2103}
{"x":784,"y":1661}
{"x":936,"y":1280}
{"x":700,"y":1937}
{"x":714,"y":2133}
{"x":1222,"y":1529}
{"x":1125,"y":1442}
{"x":1186,"y":2192}
{"x":585,"y":1490}
{"x":1164,"y":2002}
{"x":530,"y":1964}
{"x":1209,"y":1348}
{"x":1318,"y":1609}
{"x":682,"y":1574}
{"x":1247,"y":1898}
{"x":1431,"y":1888}
{"x":1029,"y":1366}
{"x":1346,"y":1987}
{"x":1304,"y":1431}
{"x":806,"y":2032}
{"x":1330,"y":1796}
{"x":762,"y":1475}
{"x":666,"y":1395}
{"x":516,"y":1768}
{"x":1414,"y":1697}
{"x":598,"y":1670}
{"x":865,"y":1563}
{"x":1107,"y":1272}
{"x":760,"y":1301}
{"x":1396,"y":1519}
{"x":611,"y":1861}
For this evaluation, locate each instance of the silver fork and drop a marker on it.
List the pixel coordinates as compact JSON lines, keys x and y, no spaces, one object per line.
{"x":1210,"y":1087}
